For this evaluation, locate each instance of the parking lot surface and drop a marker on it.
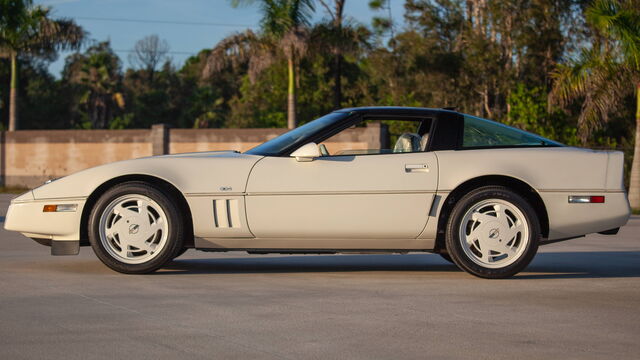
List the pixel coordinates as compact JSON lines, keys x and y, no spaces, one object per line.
{"x":578,"y":299}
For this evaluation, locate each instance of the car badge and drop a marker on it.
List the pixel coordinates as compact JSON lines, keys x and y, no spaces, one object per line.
{"x":133,"y":228}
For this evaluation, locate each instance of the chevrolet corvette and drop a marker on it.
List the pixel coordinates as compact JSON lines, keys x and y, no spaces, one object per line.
{"x":481,"y":194}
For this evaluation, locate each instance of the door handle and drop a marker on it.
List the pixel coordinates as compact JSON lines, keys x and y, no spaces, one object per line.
{"x":416,"y":168}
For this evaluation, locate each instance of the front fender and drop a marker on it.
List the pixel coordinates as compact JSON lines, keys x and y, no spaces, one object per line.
{"x":196,"y":174}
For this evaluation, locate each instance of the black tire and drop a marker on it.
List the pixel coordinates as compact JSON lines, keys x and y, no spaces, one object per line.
{"x":175,"y":224}
{"x":181,"y":252}
{"x":454,"y":243}
{"x":446,"y":257}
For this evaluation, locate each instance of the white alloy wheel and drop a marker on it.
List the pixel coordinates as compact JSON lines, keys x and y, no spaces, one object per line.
{"x":494,"y":233}
{"x":133,"y":229}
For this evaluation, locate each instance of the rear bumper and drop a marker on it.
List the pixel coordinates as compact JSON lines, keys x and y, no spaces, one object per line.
{"x":570,"y":220}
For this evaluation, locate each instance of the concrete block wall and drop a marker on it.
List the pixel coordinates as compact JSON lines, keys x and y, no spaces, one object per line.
{"x":193,"y":140}
{"x":30,"y":157}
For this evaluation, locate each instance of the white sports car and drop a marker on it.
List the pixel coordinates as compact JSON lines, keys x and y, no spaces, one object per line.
{"x":481,"y":194}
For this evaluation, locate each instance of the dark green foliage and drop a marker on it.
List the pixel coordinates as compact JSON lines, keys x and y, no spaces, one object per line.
{"x":95,"y":80}
{"x":529,"y":111}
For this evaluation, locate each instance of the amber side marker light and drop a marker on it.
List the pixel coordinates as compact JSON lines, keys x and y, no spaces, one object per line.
{"x":60,"y":208}
{"x":582,"y":199}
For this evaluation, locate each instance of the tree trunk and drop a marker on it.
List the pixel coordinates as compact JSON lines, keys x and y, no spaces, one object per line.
{"x":291,"y":108}
{"x":485,"y":98}
{"x":337,"y":86}
{"x":13,"y":94}
{"x":634,"y":182}
{"x":337,"y":24}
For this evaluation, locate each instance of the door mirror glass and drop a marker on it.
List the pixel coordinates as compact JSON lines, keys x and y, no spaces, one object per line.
{"x":306,"y":152}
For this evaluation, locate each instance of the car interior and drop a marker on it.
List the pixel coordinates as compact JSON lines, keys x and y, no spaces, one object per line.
{"x":402,"y":136}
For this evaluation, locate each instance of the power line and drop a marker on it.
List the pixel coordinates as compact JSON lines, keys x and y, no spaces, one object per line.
{"x":161,"y":21}
{"x":168,"y":52}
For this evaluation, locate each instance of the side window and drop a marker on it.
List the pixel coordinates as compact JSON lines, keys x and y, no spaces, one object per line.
{"x":380,"y":136}
{"x":485,"y":133}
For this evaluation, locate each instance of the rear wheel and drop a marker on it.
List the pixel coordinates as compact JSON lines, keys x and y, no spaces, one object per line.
{"x":492,"y":233}
{"x":135,"y":228}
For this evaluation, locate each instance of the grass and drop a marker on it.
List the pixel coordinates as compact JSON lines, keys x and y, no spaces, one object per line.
{"x":12,"y":190}
{"x":636,"y":211}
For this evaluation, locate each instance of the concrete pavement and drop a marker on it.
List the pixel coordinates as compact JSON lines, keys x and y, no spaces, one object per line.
{"x":578,"y":299}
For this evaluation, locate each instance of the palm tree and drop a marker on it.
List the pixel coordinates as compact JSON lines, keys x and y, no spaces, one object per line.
{"x":27,"y":30}
{"x":336,"y":12}
{"x":339,"y":37}
{"x":604,"y":74}
{"x":284,"y":27}
{"x":97,"y":76}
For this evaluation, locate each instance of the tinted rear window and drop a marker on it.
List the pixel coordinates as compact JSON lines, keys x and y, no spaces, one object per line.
{"x":480,"y":132}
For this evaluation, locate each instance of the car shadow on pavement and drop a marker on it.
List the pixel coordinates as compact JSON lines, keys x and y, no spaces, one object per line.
{"x":309,"y":263}
{"x":549,"y":265}
{"x":570,"y":265}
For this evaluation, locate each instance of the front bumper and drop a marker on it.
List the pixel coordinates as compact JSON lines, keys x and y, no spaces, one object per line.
{"x":25,"y":215}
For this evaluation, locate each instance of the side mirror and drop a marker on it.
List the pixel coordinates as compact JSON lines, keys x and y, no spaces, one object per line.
{"x":306,"y":152}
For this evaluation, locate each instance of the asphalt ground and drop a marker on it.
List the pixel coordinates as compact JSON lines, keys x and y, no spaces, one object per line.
{"x":578,"y":299}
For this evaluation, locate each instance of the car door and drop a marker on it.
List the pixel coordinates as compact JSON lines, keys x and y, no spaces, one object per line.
{"x":379,"y":196}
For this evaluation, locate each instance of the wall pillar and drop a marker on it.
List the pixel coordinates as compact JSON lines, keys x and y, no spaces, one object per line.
{"x":378,"y":135}
{"x":159,"y":139}
{"x":2,"y":157}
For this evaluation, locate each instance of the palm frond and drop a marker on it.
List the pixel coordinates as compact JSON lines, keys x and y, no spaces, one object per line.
{"x":300,"y":12}
{"x":262,"y":59}
{"x":32,"y":31}
{"x":246,"y":48}
{"x":294,"y":42}
{"x":281,"y":16}
{"x":230,"y":51}
{"x":620,"y":20}
{"x":570,"y":80}
{"x":596,"y":79}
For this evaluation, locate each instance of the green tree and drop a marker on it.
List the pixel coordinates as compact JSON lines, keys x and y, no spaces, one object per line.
{"x":97,"y":78}
{"x":602,"y":75}
{"x":469,"y":53}
{"x":207,"y":100}
{"x":28,"y":30}
{"x":284,"y":31}
{"x":340,"y":37}
{"x":529,"y":110}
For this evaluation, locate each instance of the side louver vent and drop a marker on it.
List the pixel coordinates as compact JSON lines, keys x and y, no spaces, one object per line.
{"x":225,"y":213}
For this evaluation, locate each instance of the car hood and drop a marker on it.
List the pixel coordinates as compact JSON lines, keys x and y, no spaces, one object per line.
{"x":191,"y":173}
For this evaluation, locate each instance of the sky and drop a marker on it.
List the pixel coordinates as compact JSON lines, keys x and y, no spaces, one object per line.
{"x":215,"y":20}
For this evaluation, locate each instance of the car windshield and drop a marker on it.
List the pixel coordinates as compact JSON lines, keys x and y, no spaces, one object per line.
{"x":480,"y":132}
{"x":298,"y":136}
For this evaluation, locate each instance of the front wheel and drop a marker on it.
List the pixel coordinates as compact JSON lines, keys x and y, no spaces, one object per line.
{"x":446,"y":257}
{"x":134,"y":228}
{"x":180,"y":253}
{"x":492,"y":233}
